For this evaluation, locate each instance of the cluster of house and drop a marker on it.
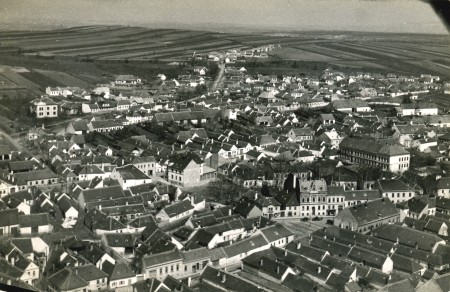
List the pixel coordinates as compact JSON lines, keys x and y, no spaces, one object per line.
{"x":238,"y":55}
{"x":137,"y":225}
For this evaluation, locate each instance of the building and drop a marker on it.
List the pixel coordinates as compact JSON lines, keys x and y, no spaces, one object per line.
{"x":351,"y":105}
{"x":44,"y":107}
{"x":395,"y":190}
{"x":129,"y":176}
{"x":35,"y":223}
{"x":300,"y":134}
{"x":176,"y":211}
{"x":367,"y":216}
{"x":443,"y":187}
{"x":9,"y":221}
{"x":386,"y":155}
{"x":189,"y":170}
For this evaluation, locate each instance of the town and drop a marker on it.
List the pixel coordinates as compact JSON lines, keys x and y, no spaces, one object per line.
{"x":219,"y":179}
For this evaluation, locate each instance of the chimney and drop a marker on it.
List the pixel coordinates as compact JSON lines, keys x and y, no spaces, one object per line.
{"x":76,"y":271}
{"x":261,"y":262}
{"x":223,"y":278}
{"x":91,"y":247}
{"x":99,"y":207}
{"x":278,"y":269}
{"x":256,"y":196}
{"x":299,"y":245}
{"x":319,"y":269}
{"x":285,"y":252}
{"x":13,"y":260}
{"x":229,"y":212}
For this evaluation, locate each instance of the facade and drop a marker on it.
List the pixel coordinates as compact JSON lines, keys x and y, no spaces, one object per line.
{"x":365,"y":217}
{"x":395,"y":190}
{"x":388,"y":156}
{"x":189,"y":171}
{"x":44,"y":107}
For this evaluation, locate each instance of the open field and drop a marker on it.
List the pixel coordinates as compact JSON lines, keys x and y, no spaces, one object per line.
{"x":406,"y":53}
{"x":85,"y":56}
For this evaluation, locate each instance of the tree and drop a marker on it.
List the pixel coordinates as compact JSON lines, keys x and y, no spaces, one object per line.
{"x":265,"y":191}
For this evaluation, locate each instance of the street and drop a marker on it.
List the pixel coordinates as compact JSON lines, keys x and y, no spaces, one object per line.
{"x":302,"y":228}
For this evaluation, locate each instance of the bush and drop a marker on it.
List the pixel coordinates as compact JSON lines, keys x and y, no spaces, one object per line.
{"x":306,"y":219}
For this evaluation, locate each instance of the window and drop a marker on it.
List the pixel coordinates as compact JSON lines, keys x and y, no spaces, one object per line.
{"x":185,"y":268}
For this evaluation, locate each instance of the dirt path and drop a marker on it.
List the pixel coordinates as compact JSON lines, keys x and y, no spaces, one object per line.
{"x":219,"y":76}
{"x":11,"y":140}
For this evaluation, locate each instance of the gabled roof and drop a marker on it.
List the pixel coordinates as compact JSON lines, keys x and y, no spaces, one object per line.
{"x":275,"y":232}
{"x":9,"y":217}
{"x":89,"y":272}
{"x":118,"y":271}
{"x":34,"y":220}
{"x":373,"y":210}
{"x":178,"y":208}
{"x":66,"y":280}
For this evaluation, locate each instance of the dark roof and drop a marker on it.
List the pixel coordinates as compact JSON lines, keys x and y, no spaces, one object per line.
{"x":228,"y":282}
{"x":372,"y":146}
{"x":390,"y":185}
{"x":118,"y":271}
{"x":9,"y":217}
{"x":67,"y":280}
{"x":34,"y":220}
{"x":89,"y":272}
{"x":119,"y":239}
{"x":372,"y":210}
{"x":178,"y":208}
{"x":407,"y":236}
{"x":162,"y":258}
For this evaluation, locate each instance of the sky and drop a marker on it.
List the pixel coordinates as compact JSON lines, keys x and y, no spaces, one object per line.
{"x":409,"y":16}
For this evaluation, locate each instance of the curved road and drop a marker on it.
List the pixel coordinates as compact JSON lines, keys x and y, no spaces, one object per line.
{"x":11,"y":140}
{"x":219,"y":76}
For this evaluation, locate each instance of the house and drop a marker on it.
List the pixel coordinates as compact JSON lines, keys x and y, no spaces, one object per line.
{"x":372,"y":259}
{"x":443,"y":187}
{"x":395,"y":190}
{"x":119,"y":274}
{"x":17,"y":266}
{"x":44,"y":107}
{"x":35,"y":223}
{"x":129,"y":176}
{"x":66,"y":280}
{"x":96,"y":278}
{"x":277,"y":235}
{"x":351,"y":105}
{"x":77,"y":127}
{"x":386,"y":155}
{"x":215,"y":279}
{"x":367,"y":216}
{"x":127,"y":80}
{"x":69,"y":210}
{"x":160,"y":265}
{"x":121,"y":243}
{"x":417,"y":109}
{"x":176,"y":211}
{"x":300,"y":134}
{"x":9,"y":221}
{"x":5,"y":152}
{"x":266,"y":268}
{"x":189,"y":170}
{"x":43,"y":177}
{"x":409,"y":237}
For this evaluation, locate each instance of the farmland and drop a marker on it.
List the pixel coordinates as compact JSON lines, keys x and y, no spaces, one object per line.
{"x":84,"y":56}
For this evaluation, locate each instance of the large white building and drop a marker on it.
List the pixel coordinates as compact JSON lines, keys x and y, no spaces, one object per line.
{"x":44,"y":107}
{"x":385,"y":154}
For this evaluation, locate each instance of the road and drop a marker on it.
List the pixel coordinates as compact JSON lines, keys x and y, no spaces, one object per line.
{"x":11,"y":140}
{"x":219,"y":76}
{"x":302,"y":228}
